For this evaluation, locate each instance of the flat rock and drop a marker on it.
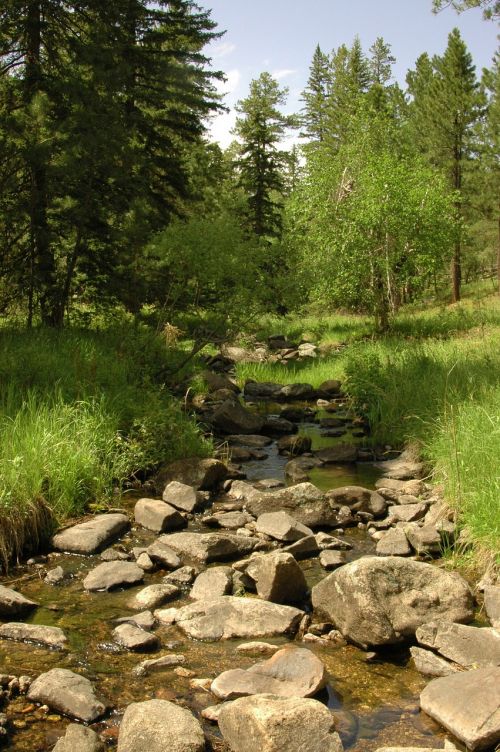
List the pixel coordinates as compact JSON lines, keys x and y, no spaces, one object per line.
{"x":393,"y":543}
{"x":113,"y":574}
{"x":134,"y":638}
{"x":358,"y":499}
{"x":257,"y":648}
{"x":154,"y":665}
{"x":430,"y":664}
{"x":492,"y":604}
{"x":292,"y":392}
{"x":425,"y":540}
{"x":278,"y":578}
{"x":259,"y":390}
{"x":338,"y":454}
{"x":303,"y":501}
{"x":272,"y":724}
{"x":291,"y":672}
{"x":304,"y":548}
{"x":406,"y":487}
{"x":153,"y":596}
{"x":68,"y":693}
{"x":408,"y":512}
{"x":231,"y":417}
{"x":201,"y":474}
{"x":231,"y":520}
{"x":79,"y":739}
{"x":256,"y":441}
{"x":332,"y":559}
{"x":183,"y":497}
{"x":158,"y":725}
{"x":209,"y":547}
{"x":50,"y":637}
{"x":158,"y":516}
{"x":383,"y":600}
{"x":468,"y":705}
{"x":328,"y":542}
{"x":144,"y":619}
{"x":162,"y":554}
{"x":470,"y":647}
{"x":13,"y":603}
{"x":232,"y":618}
{"x":274,"y":425}
{"x":281,"y":526}
{"x":213,"y":583}
{"x":330,"y":387}
{"x":182,"y":577}
{"x":92,"y":536}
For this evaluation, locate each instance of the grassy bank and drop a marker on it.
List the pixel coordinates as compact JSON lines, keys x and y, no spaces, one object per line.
{"x":434,"y":379}
{"x":80,"y":412}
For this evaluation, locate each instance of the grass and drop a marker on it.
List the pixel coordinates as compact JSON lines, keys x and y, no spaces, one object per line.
{"x":80,"y":413}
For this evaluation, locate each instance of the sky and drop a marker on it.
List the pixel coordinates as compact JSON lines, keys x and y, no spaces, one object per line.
{"x":279,"y":36}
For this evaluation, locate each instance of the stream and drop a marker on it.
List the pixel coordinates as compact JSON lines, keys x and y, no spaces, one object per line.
{"x":375,"y":699}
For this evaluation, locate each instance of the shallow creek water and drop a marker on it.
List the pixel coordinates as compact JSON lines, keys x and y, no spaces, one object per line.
{"x":376,"y":703}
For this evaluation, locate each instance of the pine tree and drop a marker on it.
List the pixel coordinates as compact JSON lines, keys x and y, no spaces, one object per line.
{"x":490,"y":162}
{"x":315,"y":97}
{"x":349,"y":83}
{"x":491,"y":8}
{"x":380,"y":62}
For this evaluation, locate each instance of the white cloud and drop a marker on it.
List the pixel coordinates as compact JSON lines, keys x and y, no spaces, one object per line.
{"x":220,"y":128}
{"x":233,"y":78}
{"x":283,"y":73}
{"x":223,"y":50}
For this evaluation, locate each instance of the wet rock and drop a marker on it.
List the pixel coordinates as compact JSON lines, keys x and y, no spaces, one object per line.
{"x":212,"y":583}
{"x":425,"y":540}
{"x":54,"y":576}
{"x":468,"y":646}
{"x":263,"y":390}
{"x":50,"y":637}
{"x":209,"y":547}
{"x":158,"y":725}
{"x":332,"y":559}
{"x":468,"y":705}
{"x":183,"y":497}
{"x":303,"y":501}
{"x":430,"y":664}
{"x":158,"y":516}
{"x":67,"y":693}
{"x":161,"y":553}
{"x":201,"y":474}
{"x":291,"y":672}
{"x":292,"y":392}
{"x":338,"y":454}
{"x":231,"y":417}
{"x":492,"y":604}
{"x":153,"y":596}
{"x":272,"y":724}
{"x":281,"y":526}
{"x":79,"y":739}
{"x":144,"y":619}
{"x":298,"y":469}
{"x":182,"y":577}
{"x":329,"y":542}
{"x":92,"y":536}
{"x":255,"y":441}
{"x":393,"y":543}
{"x":383,"y":600}
{"x":230,"y":617}
{"x":246,"y":454}
{"x":294,"y":445}
{"x":113,"y":574}
{"x":358,"y":499}
{"x":257,"y":648}
{"x":278,"y":578}
{"x":166,"y":616}
{"x":277,"y":426}
{"x":13,"y":603}
{"x":153,"y":665}
{"x":132,"y":637}
{"x":114,"y":554}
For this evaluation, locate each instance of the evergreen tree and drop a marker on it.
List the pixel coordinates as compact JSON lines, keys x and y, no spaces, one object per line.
{"x":315,"y":97}
{"x":489,"y":190}
{"x":349,"y":83}
{"x":380,"y":62}
{"x":491,"y":8}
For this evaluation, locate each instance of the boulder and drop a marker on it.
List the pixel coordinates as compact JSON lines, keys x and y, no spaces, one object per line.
{"x":358,"y":499}
{"x":237,"y":618}
{"x":242,"y":491}
{"x":278,"y":578}
{"x":153,"y":596}
{"x":162,"y":554}
{"x":277,"y":426}
{"x":332,"y":559}
{"x":209,"y":547}
{"x":492,"y":604}
{"x":231,"y":417}
{"x":328,"y":542}
{"x":132,"y":637}
{"x":303,"y":501}
{"x":338,"y":454}
{"x":92,"y":536}
{"x":262,"y":390}
{"x":393,"y":543}
{"x":144,"y":619}
{"x":305,"y":548}
{"x":467,"y":704}
{"x":216,"y":381}
{"x":292,"y":392}
{"x":407,"y":512}
{"x":13,"y":603}
{"x":157,"y":516}
{"x":470,"y":647}
{"x":272,"y":724}
{"x":113,"y":574}
{"x":158,"y":725}
{"x":294,"y":445}
{"x":430,"y":664}
{"x":182,"y":577}
{"x":281,"y":526}
{"x":290,"y":672}
{"x":425,"y":540}
{"x":68,"y":693}
{"x":406,"y":487}
{"x":153,"y":665}
{"x":50,"y":637}
{"x":257,"y":648}
{"x":201,"y":474}
{"x":405,"y":467}
{"x":298,"y":469}
{"x":255,"y":441}
{"x":228,"y":520}
{"x":212,"y":583}
{"x":79,"y":739}
{"x":182,"y":497}
{"x":383,"y":600}
{"x":330,"y":388}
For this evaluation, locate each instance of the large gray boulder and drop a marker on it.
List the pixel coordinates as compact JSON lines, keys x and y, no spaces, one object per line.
{"x":259,"y":390}
{"x":153,"y":596}
{"x":290,"y":672}
{"x":13,"y":603}
{"x":212,"y":583}
{"x":183,"y":497}
{"x":132,"y":637}
{"x":50,"y":637}
{"x":158,"y":725}
{"x":113,"y":574}
{"x":430,"y":664}
{"x":92,"y":536}
{"x":209,"y":547}
{"x":272,"y":724}
{"x":255,"y":441}
{"x":158,"y":516}
{"x":338,"y":455}
{"x":303,"y":501}
{"x":233,"y":618}
{"x":282,"y":527}
{"x":383,"y":600}
{"x":231,"y":417}
{"x":470,"y":647}
{"x":492,"y":604}
{"x":68,"y":693}
{"x":358,"y":499}
{"x":201,"y":474}
{"x":467,"y":704}
{"x":393,"y":543}
{"x":79,"y":739}
{"x":160,"y":553}
{"x":278,"y":578}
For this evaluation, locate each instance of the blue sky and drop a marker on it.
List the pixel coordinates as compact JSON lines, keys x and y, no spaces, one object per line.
{"x":280,"y":36}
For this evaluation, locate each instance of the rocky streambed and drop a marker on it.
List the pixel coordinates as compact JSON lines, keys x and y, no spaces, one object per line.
{"x":222,"y":612}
